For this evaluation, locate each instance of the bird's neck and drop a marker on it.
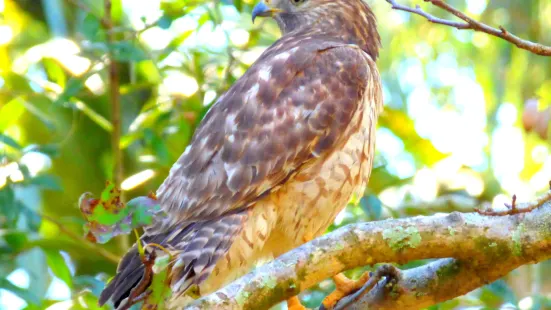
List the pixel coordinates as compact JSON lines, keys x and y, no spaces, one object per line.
{"x":352,"y":25}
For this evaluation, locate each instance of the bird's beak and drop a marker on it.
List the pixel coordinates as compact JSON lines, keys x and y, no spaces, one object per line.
{"x":262,"y":9}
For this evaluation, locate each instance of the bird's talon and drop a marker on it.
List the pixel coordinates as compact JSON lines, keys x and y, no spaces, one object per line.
{"x":307,"y":238}
{"x":293,"y":303}
{"x":344,"y":287}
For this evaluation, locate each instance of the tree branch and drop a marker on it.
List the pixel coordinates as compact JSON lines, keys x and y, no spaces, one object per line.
{"x":114,"y":99}
{"x":421,"y":287}
{"x":115,"y":102}
{"x":469,"y":23}
{"x":484,"y":248}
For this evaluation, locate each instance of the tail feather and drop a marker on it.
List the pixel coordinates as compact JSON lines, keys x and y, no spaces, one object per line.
{"x":124,"y":288}
{"x":196,"y":248}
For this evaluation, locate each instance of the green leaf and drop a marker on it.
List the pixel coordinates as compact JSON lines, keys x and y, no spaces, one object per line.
{"x":16,"y":82}
{"x":31,"y":108}
{"x":164,"y":22}
{"x":9,"y":207}
{"x":33,"y":219}
{"x":91,"y":28}
{"x":89,"y":282}
{"x":16,"y":240}
{"x":497,"y":293}
{"x":54,"y":71}
{"x":95,"y":116}
{"x":9,"y":141}
{"x":47,"y":182}
{"x":59,"y":267}
{"x":116,"y":11}
{"x":174,"y":44}
{"x":126,"y":51}
{"x":206,"y":17}
{"x":107,"y":217}
{"x":161,"y":263}
{"x":372,"y":207}
{"x":160,"y":288}
{"x":24,"y":294}
{"x":71,"y":89}
{"x":128,"y":139}
{"x":238,"y":5}
{"x":10,"y":113}
{"x":384,"y":179}
{"x":51,"y":150}
{"x":158,"y":145}
{"x":139,"y":244}
{"x":88,"y":301}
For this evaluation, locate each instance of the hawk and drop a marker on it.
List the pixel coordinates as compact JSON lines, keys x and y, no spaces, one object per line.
{"x":277,"y":156}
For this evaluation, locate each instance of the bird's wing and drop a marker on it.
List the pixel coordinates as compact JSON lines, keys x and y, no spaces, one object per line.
{"x":292,"y":107}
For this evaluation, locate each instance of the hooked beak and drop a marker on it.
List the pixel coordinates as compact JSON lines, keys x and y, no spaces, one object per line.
{"x":262,"y":9}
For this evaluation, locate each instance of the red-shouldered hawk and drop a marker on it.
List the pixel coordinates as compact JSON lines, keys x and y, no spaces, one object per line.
{"x":277,"y":157}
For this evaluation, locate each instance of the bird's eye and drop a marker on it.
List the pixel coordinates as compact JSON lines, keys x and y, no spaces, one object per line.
{"x":297,"y":2}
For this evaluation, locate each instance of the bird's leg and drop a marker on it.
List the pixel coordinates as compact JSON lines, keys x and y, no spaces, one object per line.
{"x":392,"y":277}
{"x":293,"y":303}
{"x":344,"y":287}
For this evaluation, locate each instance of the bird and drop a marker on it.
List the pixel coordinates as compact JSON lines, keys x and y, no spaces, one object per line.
{"x":275,"y":158}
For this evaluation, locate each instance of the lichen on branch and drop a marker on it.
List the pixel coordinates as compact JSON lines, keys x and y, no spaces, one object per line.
{"x":474,"y":249}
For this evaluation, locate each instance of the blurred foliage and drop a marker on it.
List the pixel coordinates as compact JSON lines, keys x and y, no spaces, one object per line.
{"x":108,"y":216}
{"x":452,"y":125}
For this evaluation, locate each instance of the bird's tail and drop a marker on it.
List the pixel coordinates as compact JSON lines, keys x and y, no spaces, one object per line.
{"x":195,"y":249}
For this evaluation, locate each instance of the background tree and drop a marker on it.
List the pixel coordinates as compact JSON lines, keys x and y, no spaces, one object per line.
{"x":87,"y":97}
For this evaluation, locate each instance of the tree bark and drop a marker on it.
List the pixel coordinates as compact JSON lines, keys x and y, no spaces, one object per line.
{"x":476,"y":250}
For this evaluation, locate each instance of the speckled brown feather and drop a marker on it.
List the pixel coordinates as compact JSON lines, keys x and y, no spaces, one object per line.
{"x":262,"y":131}
{"x":196,"y":248}
{"x":308,"y":104}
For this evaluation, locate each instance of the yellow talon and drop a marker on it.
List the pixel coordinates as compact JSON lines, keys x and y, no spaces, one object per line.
{"x":307,"y":237}
{"x":344,"y":288}
{"x":293,"y":303}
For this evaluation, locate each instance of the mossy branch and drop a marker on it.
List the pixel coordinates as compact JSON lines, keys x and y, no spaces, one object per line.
{"x":475,"y":250}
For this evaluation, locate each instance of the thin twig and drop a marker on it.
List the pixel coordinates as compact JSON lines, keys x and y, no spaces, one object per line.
{"x":115,"y":102}
{"x":114,"y":99}
{"x":140,"y":292}
{"x":515,"y":208}
{"x":71,"y":234}
{"x":469,"y":23}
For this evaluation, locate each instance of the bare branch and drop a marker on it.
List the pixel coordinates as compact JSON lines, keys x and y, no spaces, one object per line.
{"x":115,"y":102}
{"x":469,"y":23}
{"x":484,"y":248}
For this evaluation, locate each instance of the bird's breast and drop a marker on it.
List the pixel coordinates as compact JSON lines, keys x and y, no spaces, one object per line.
{"x":309,"y":203}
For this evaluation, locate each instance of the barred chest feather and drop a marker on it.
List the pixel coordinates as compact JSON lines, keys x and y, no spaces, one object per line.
{"x":303,"y":207}
{"x":310,"y":203}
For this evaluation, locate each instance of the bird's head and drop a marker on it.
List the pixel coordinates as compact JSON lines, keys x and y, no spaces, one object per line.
{"x":349,"y":20}
{"x":274,"y":7}
{"x":306,"y":10}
